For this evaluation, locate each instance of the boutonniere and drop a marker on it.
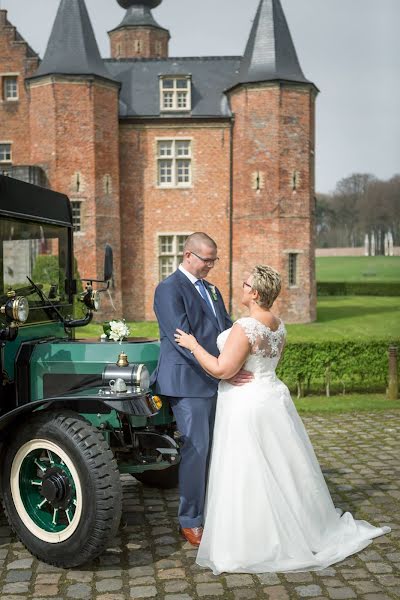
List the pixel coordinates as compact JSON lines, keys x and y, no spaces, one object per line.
{"x":213,"y":292}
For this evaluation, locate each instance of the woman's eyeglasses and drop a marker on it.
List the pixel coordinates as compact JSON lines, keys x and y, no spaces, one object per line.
{"x":245,"y":284}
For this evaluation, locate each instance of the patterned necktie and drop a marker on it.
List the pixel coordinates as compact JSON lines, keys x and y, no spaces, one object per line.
{"x":202,"y":289}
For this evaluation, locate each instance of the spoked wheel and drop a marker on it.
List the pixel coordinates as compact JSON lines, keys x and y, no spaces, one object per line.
{"x":61,"y":489}
{"x":46,"y":490}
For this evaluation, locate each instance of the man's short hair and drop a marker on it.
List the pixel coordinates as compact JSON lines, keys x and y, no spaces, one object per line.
{"x":194,"y":240}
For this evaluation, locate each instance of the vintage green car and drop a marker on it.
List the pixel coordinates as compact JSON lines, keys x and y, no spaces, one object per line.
{"x":74,"y":414}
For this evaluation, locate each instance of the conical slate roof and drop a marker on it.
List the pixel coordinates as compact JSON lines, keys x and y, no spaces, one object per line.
{"x":72,"y":48}
{"x":270,"y":53}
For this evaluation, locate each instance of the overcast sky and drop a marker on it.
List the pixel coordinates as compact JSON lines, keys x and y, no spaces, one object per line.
{"x":349,"y":48}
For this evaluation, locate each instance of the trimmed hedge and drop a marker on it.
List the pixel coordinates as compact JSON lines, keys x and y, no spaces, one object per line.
{"x":342,"y":366}
{"x":358,"y":288}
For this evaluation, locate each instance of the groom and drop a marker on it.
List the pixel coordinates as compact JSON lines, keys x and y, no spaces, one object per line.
{"x":185,"y":300}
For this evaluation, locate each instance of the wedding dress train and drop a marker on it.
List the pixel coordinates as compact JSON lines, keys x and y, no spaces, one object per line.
{"x":268,"y":508}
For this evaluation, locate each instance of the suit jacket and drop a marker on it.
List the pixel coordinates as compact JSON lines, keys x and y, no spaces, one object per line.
{"x":177,"y":303}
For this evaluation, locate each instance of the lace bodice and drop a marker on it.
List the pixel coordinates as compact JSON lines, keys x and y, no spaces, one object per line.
{"x":266,"y":345}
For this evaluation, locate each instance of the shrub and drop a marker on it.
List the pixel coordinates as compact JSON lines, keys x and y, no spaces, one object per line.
{"x":358,"y":288}
{"x":46,"y":270}
{"x":345,"y":366}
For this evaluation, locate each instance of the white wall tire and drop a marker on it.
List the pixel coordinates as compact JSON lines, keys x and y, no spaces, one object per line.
{"x":22,"y":455}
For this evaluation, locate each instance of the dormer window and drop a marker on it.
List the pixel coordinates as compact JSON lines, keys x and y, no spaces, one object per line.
{"x":175,"y":93}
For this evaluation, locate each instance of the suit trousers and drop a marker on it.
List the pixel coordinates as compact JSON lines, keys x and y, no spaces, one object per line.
{"x":195,"y":421}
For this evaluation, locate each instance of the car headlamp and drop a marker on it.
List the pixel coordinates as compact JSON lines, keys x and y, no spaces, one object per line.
{"x":141,"y":377}
{"x":91,"y":299}
{"x":16,"y":309}
{"x":95,"y":300}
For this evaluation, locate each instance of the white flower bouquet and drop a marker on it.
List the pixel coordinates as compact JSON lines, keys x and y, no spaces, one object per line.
{"x":115,"y":330}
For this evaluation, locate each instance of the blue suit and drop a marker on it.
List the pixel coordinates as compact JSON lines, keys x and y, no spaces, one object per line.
{"x":191,"y":392}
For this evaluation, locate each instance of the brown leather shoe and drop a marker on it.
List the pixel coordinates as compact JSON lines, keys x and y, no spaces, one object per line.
{"x":192,"y":534}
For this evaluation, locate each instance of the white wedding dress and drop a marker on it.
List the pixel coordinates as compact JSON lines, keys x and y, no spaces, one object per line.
{"x":268,"y":507}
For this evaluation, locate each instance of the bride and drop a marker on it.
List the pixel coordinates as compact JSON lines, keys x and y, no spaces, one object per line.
{"x":268,"y":507}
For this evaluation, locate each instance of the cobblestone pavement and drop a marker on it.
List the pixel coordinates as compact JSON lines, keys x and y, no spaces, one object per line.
{"x":360,"y":457}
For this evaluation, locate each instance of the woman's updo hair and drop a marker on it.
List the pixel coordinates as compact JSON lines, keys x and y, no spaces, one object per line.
{"x":267,"y":282}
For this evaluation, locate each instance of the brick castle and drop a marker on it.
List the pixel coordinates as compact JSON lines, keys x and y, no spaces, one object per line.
{"x":150,"y":148}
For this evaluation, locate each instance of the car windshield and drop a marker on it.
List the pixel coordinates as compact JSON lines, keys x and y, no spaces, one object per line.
{"x":36,"y":250}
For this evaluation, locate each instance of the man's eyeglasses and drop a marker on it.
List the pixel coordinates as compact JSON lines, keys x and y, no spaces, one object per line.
{"x":207,"y":261}
{"x":245,"y":284}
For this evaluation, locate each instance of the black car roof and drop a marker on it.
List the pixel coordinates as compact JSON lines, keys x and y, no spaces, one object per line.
{"x":33,"y":203}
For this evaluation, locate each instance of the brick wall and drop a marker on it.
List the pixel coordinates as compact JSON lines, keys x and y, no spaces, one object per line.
{"x":139,"y":42}
{"x":16,"y":59}
{"x":148,"y":210}
{"x":358,"y":251}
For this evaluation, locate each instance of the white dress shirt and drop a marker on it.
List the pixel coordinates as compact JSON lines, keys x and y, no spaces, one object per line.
{"x":193,"y":280}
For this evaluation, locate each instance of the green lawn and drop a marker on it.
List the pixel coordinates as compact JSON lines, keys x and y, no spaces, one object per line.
{"x":351,"y":318}
{"x":345,"y":404}
{"x":358,"y":268}
{"x":339,"y":318}
{"x":138,"y":329}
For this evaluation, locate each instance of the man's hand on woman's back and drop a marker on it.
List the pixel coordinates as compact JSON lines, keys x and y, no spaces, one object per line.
{"x":241,"y":378}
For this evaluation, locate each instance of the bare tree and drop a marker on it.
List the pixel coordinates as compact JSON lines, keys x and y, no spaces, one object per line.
{"x":361,"y":205}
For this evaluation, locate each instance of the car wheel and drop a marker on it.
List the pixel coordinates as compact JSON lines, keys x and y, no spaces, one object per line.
{"x":61,"y":488}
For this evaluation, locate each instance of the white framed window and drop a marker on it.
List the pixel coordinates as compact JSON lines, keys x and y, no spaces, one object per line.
{"x":10,"y":87}
{"x":138,"y":46}
{"x":76,"y":208}
{"x":175,"y":93}
{"x":292,"y":269}
{"x":174,"y":163}
{"x":5,"y":152}
{"x":170,"y":253}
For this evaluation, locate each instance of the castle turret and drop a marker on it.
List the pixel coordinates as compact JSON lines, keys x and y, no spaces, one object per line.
{"x":75,"y":135}
{"x":273,"y":164}
{"x":139,"y":35}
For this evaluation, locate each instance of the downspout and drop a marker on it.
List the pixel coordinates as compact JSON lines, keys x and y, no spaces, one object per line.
{"x":231,"y":216}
